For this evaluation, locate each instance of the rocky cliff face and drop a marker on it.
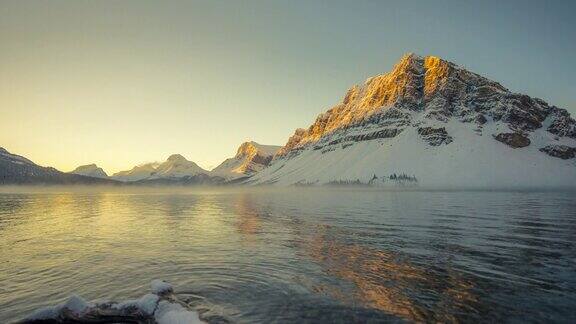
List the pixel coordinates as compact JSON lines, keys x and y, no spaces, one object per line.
{"x":90,"y":170}
{"x":429,"y":106}
{"x":250,"y":158}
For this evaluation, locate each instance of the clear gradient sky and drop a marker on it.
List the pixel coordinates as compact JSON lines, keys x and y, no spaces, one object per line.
{"x":119,"y":83}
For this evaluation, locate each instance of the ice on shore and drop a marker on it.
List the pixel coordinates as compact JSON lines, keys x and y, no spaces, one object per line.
{"x":160,"y":287}
{"x":161,"y":305}
{"x":76,"y":305}
{"x":147,"y":304}
{"x":171,"y":313}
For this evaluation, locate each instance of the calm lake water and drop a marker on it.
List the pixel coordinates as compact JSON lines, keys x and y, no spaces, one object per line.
{"x":298,"y":256}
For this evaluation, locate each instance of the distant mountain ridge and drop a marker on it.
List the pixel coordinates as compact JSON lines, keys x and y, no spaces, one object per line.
{"x":436,"y":122}
{"x":137,"y":173}
{"x":176,"y":166}
{"x":15,"y":169}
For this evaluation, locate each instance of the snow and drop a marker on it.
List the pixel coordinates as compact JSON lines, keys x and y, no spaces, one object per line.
{"x":472,"y":160}
{"x":147,"y":304}
{"x":160,"y":287}
{"x":44,"y":313}
{"x":170,"y":313}
{"x":90,"y":170}
{"x":176,"y":166}
{"x":74,"y":304}
{"x":164,"y":309}
{"x":266,"y":150}
{"x":374,"y":132}
{"x":139,"y":172}
{"x":248,"y":160}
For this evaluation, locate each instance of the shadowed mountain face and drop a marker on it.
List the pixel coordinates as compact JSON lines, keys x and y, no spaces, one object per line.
{"x":15,"y":169}
{"x":433,"y":119}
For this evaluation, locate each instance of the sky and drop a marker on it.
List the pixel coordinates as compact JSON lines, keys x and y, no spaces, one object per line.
{"x":121,"y":83}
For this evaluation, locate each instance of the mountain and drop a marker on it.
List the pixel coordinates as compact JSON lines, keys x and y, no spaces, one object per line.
{"x":175,"y":167}
{"x":139,"y":172}
{"x":432,"y":123}
{"x":90,"y":170}
{"x":250,"y":158}
{"x":15,"y":169}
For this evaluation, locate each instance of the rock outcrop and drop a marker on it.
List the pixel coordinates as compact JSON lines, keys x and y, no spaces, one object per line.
{"x":560,"y":151}
{"x":514,"y":140}
{"x":434,"y":136}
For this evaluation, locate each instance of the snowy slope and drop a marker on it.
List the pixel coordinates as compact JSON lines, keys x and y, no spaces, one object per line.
{"x":437,"y":122}
{"x":139,"y":172}
{"x":250,"y":158}
{"x":176,"y":166}
{"x":90,"y":170}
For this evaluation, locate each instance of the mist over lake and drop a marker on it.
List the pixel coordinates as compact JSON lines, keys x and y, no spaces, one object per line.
{"x":295,"y":255}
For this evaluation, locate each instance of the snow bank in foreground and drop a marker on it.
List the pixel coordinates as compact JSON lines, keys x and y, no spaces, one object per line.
{"x":161,"y":306}
{"x":171,"y":313}
{"x":160,"y":287}
{"x":74,"y":305}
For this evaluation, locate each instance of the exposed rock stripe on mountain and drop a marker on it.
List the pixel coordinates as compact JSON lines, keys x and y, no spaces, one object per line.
{"x":434,"y":121}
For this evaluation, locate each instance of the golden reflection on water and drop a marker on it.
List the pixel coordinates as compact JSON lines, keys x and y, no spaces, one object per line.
{"x":382,"y":279}
{"x":386,"y":281}
{"x":64,"y":222}
{"x":119,"y":224}
{"x":249,"y":222}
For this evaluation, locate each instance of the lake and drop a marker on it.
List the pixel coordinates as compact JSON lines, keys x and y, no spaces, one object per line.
{"x":299,"y":255}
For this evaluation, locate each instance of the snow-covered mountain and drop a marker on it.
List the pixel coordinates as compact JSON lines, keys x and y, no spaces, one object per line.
{"x":16,"y":169}
{"x":434,"y":123}
{"x":90,"y":170}
{"x":176,"y":166}
{"x":250,"y":158}
{"x":138,"y":172}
